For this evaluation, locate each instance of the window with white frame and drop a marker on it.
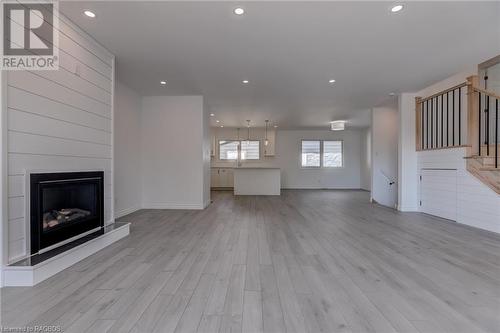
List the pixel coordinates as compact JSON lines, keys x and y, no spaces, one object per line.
{"x":248,"y":150}
{"x":228,"y":150}
{"x":318,"y":153}
{"x":311,"y":151}
{"x":332,"y":154}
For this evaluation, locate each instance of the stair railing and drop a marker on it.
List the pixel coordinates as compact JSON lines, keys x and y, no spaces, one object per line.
{"x":439,"y":119}
{"x":482,"y":121}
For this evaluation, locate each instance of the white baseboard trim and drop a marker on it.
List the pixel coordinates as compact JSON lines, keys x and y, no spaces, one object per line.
{"x":166,"y":205}
{"x":27,"y":276}
{"x":126,"y":211}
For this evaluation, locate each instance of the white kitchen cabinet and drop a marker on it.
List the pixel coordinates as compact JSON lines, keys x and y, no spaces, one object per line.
{"x":222,"y":177}
{"x":270,"y":149}
{"x":214,"y":177}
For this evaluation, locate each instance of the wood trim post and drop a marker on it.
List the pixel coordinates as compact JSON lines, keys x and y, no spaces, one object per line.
{"x":418,"y":123}
{"x":472,"y":116}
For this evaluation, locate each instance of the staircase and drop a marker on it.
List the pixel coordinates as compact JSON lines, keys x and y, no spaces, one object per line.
{"x":483,"y":159}
{"x":445,"y":121}
{"x":484,"y":169}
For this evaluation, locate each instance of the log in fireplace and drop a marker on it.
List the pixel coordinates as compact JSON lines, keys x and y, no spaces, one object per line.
{"x":63,"y":206}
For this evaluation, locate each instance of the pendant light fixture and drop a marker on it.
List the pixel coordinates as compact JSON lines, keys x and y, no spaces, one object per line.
{"x":266,"y":142}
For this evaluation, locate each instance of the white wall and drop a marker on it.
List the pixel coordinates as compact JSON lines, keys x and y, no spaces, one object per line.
{"x":206,"y":155}
{"x":287,"y":158}
{"x":172,"y":148}
{"x":58,"y":121}
{"x":384,"y":133}
{"x":407,"y":155}
{"x":366,"y":159}
{"x":127,"y":157}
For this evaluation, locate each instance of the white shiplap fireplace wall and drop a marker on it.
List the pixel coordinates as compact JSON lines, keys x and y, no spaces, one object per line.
{"x":58,"y":121}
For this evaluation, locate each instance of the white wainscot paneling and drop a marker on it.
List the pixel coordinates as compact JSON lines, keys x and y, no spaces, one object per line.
{"x":476,"y":204}
{"x":438,"y":193}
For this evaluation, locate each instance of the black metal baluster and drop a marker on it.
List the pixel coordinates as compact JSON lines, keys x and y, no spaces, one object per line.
{"x":436,"y":143}
{"x":427,"y":127}
{"x":447,"y":119}
{"x":496,"y":133}
{"x":487,"y":129}
{"x":432,"y":123}
{"x":422,"y":126}
{"x":479,"y":122}
{"x":453,"y":119}
{"x":442,"y":121}
{"x":459,"y":116}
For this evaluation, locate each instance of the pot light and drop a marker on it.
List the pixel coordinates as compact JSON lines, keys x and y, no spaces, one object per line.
{"x":337,"y":125}
{"x":392,"y":94}
{"x":275,"y":126}
{"x":211,"y":115}
{"x":221,"y":126}
{"x":217,"y":121}
{"x":331,"y":81}
{"x":245,"y":81}
{"x":239,"y":11}
{"x":163,"y":82}
{"x":89,"y":13}
{"x":396,"y":8}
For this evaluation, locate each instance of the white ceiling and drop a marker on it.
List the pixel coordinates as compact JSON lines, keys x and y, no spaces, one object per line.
{"x":288,"y":51}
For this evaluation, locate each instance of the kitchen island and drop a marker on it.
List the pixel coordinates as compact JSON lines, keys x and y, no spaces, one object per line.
{"x":257,"y":181}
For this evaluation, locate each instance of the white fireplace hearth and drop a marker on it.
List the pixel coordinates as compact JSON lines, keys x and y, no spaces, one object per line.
{"x":33,"y":270}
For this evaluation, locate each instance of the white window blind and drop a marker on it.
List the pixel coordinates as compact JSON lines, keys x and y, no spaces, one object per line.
{"x":332,"y":154}
{"x":311,"y":153}
{"x":228,"y":150}
{"x":250,"y":150}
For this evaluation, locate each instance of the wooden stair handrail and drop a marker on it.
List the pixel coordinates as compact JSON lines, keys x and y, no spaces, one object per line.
{"x":463,"y":84}
{"x":486,"y":92}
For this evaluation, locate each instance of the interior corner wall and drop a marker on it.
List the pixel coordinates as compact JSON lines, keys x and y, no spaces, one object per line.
{"x":206,"y":155}
{"x":366,"y":160}
{"x":384,"y":134}
{"x":407,"y":159}
{"x":127,"y":164}
{"x":172,"y":145}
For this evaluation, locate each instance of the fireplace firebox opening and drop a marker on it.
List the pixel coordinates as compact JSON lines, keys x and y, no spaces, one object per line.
{"x":64,"y":206}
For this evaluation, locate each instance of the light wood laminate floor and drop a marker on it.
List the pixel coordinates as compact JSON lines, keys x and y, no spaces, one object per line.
{"x":308,"y":261}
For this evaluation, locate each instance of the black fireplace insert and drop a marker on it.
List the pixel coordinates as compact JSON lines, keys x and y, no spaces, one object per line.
{"x":65,"y":205}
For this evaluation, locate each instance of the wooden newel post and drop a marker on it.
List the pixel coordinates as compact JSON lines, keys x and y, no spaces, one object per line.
{"x":472,"y":116}
{"x":418,"y":123}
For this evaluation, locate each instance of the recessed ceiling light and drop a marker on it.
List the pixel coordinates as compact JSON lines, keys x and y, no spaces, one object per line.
{"x":221,"y":126}
{"x":89,"y":13}
{"x":217,"y":121}
{"x":245,"y":81}
{"x":275,"y":126}
{"x":239,"y":11}
{"x":211,"y":115}
{"x":396,"y":8}
{"x":163,"y":82}
{"x":331,"y":81}
{"x":392,"y":94}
